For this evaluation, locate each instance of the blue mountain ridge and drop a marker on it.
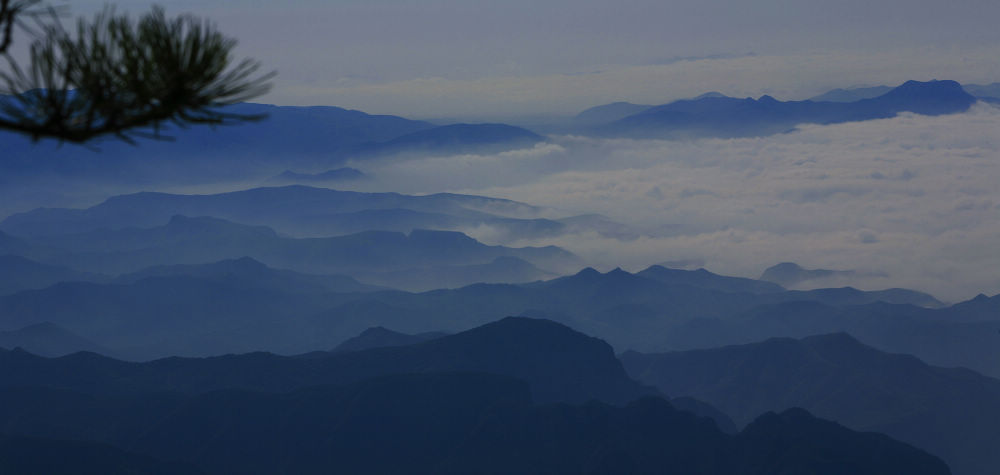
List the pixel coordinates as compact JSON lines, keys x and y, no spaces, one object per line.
{"x":732,"y":117}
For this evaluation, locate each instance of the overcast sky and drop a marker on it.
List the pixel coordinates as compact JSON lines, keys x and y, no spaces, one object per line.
{"x":467,"y":58}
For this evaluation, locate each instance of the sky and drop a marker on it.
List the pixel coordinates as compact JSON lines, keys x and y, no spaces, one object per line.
{"x":519,"y":58}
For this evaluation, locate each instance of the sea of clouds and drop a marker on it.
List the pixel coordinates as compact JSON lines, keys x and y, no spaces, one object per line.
{"x":912,"y":201}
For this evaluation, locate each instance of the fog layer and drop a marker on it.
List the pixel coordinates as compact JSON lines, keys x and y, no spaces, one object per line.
{"x":911,"y":201}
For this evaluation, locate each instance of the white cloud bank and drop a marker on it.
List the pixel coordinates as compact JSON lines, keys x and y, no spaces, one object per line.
{"x":916,"y":198}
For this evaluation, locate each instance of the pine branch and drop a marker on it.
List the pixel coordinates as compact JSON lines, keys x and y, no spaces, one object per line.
{"x":114,"y":76}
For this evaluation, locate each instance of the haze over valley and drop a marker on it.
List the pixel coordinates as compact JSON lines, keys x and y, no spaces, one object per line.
{"x":578,"y":245}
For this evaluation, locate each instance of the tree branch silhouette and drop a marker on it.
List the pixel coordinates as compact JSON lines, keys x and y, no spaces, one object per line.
{"x":117,"y":77}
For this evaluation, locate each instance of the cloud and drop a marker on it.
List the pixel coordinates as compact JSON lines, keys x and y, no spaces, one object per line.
{"x":914,"y":198}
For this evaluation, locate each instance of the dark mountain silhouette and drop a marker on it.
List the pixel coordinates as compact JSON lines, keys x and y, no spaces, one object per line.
{"x":248,"y":272}
{"x":462,"y":138}
{"x":298,"y":210}
{"x":792,"y":437}
{"x":47,"y":339}
{"x":18,"y":273}
{"x":448,"y":423}
{"x":731,"y":117}
{"x":381,"y":337}
{"x":703,"y":409}
{"x":952,"y":413}
{"x":648,"y":436}
{"x":196,"y":411}
{"x":339,"y":175}
{"x":558,"y":363}
{"x":36,"y":456}
{"x":704,"y":279}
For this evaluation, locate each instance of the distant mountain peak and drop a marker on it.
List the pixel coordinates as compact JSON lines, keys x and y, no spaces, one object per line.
{"x":382,"y":337}
{"x":711,"y":94}
{"x":928,"y":87}
{"x":587,"y":272}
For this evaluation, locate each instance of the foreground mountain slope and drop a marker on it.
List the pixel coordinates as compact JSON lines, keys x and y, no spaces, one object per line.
{"x":465,"y":403}
{"x":36,"y":456}
{"x":952,"y":413}
{"x":448,"y":423}
{"x":560,"y":364}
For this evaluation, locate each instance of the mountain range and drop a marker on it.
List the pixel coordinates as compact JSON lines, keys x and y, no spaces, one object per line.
{"x":717,"y":115}
{"x":326,"y":138}
{"x":239,"y":306}
{"x":982,"y":92}
{"x":489,"y":416}
{"x":307,"y":212}
{"x":189,"y":240}
{"x":47,"y":339}
{"x":289,"y":137}
{"x":18,"y":273}
{"x":615,"y":111}
{"x":953,"y":413}
{"x":732,"y":117}
{"x":381,"y":337}
{"x":249,"y":331}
